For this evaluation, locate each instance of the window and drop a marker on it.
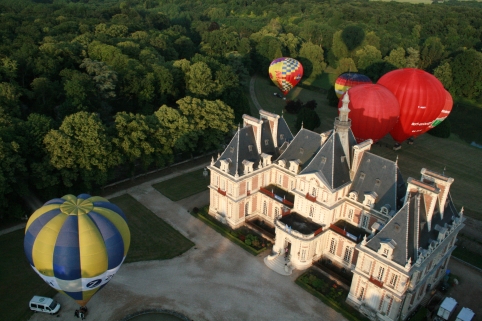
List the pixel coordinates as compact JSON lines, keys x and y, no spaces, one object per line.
{"x":303,"y":255}
{"x":361,"y":293}
{"x":386,"y":305}
{"x":302,"y":186}
{"x":333,"y":246}
{"x":367,"y":265}
{"x":280,"y":179}
{"x":313,"y":191}
{"x":292,"y":185}
{"x":347,"y":255}
{"x":223,"y":184}
{"x":246,"y":209}
{"x":393,"y":280}
{"x":276,"y":211}
{"x":248,"y":186}
{"x":312,"y":210}
{"x":250,"y":148}
{"x":281,"y":137}
{"x":364,"y":223}
{"x":229,"y":210}
{"x":265,"y":208}
{"x":350,"y":214}
{"x":385,"y":253}
{"x":266,"y":142}
{"x":381,"y":271}
{"x":301,"y":151}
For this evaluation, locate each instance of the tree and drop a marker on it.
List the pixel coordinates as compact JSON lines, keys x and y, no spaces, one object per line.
{"x":104,"y":77}
{"x":467,"y":74}
{"x":308,"y":118}
{"x":81,"y":148}
{"x":397,"y":58}
{"x":293,"y":106}
{"x":368,"y":55}
{"x":432,"y":52}
{"x":413,"y":58}
{"x":339,"y":48}
{"x":199,"y":80}
{"x":310,"y":104}
{"x":346,"y":65}
{"x":444,"y":73}
{"x":312,"y":55}
{"x":352,"y":37}
{"x":209,"y":120}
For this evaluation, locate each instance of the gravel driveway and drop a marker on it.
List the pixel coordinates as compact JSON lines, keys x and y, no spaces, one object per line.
{"x":215,"y":280}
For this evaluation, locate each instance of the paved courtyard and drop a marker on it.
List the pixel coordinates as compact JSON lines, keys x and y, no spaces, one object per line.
{"x":215,"y":280}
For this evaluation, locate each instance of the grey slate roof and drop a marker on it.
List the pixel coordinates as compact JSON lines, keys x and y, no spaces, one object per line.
{"x":409,"y":228}
{"x":328,"y":163}
{"x":284,"y":132}
{"x":379,"y":175}
{"x":267,"y":143}
{"x":238,"y":150}
{"x":303,"y":147}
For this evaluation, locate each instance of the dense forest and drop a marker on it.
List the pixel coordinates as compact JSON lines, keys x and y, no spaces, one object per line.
{"x":92,"y":91}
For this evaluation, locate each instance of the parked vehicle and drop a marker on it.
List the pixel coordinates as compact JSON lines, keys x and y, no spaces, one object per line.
{"x":465,"y":315}
{"x":44,"y":304}
{"x":446,"y":309}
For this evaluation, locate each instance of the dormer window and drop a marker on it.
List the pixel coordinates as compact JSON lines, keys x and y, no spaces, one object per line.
{"x":301,"y":151}
{"x":353,"y":195}
{"x":323,"y":159}
{"x":266,"y":142}
{"x":250,"y":148}
{"x":231,"y":149}
{"x":386,"y":248}
{"x":248,"y":166}
{"x":225,"y":164}
{"x":362,"y":175}
{"x":385,"y":252}
{"x":281,"y":137}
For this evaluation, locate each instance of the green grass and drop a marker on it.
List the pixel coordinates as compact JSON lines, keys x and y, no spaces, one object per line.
{"x":468,"y":256}
{"x":223,"y":230}
{"x":421,"y":315}
{"x":18,"y":282}
{"x":151,"y":237}
{"x":183,"y":186}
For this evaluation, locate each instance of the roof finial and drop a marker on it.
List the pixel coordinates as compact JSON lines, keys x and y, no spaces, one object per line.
{"x":212,"y":160}
{"x":396,"y":161}
{"x":301,"y":124}
{"x":282,"y":113}
{"x":462,"y":211}
{"x":443,"y":173}
{"x":236,"y":174}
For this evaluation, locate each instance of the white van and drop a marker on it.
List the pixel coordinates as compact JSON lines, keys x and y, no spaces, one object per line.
{"x":43,"y":304}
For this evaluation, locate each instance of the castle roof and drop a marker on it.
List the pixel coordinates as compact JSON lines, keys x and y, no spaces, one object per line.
{"x":410,"y":229}
{"x":382,"y":176}
{"x":303,"y":147}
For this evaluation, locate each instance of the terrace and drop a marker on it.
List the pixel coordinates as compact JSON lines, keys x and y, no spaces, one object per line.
{"x":301,"y":224}
{"x":279,"y":194}
{"x":349,"y":231}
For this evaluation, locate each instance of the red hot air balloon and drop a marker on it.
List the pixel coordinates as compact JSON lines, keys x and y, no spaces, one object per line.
{"x":421,"y":97}
{"x":374,"y":110}
{"x":445,"y":111}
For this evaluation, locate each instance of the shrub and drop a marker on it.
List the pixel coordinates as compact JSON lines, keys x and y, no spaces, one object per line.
{"x":195,"y":210}
{"x":311,"y":104}
{"x":255,"y":242}
{"x":242,"y":237}
{"x":247,"y":242}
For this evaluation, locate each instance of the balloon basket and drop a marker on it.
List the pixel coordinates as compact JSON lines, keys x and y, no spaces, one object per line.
{"x":397,"y":146}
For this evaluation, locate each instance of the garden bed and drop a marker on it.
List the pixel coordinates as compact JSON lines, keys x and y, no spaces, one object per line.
{"x":243,"y":236}
{"x":329,"y":292}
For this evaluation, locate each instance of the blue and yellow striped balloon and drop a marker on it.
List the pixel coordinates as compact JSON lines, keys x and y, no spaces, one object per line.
{"x":77,"y":244}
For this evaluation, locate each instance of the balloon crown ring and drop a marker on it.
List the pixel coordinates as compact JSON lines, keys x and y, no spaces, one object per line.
{"x":76,"y":206}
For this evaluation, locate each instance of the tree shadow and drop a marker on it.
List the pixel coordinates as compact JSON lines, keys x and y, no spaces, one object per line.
{"x":352,"y":36}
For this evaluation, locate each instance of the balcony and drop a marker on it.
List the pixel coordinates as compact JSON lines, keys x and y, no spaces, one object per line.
{"x":220,"y":191}
{"x":301,"y":224}
{"x":278,"y":194}
{"x":349,"y":231}
{"x":310,"y":198}
{"x":376,"y":282}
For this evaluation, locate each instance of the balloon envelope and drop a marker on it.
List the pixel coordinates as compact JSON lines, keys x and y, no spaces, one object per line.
{"x":445,"y":111}
{"x":374,"y":110}
{"x":421,"y":97}
{"x":77,"y":244}
{"x":349,"y":79}
{"x":285,"y":73}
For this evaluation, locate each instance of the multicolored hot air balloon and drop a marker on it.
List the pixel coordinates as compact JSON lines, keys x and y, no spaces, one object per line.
{"x":349,"y":79}
{"x":374,"y":110}
{"x":77,"y":244}
{"x":285,"y":73}
{"x":421,"y":97}
{"x":445,"y":111}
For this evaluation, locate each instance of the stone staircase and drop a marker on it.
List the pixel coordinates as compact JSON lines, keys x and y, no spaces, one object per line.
{"x":277,"y":264}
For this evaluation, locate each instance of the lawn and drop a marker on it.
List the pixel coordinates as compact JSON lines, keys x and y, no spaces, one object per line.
{"x":468,"y":256}
{"x":183,"y":186}
{"x":460,"y":160}
{"x":18,"y":282}
{"x":151,"y":239}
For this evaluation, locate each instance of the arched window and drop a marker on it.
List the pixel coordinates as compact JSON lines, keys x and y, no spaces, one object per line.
{"x":265,"y":208}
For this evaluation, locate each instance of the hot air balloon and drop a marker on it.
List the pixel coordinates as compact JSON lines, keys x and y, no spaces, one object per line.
{"x":285,"y":73}
{"x":347,"y":80}
{"x":374,"y":110}
{"x":77,"y":244}
{"x":421,"y":97}
{"x":445,"y":111}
